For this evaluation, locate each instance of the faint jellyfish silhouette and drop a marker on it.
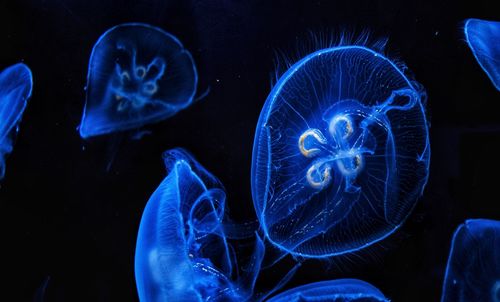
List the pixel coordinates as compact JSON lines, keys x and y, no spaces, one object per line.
{"x":341,"y":290}
{"x":483,"y":39}
{"x":182,"y":253}
{"x":138,"y":74}
{"x":341,"y":152}
{"x":473,"y":269}
{"x":41,"y":291}
{"x":16,"y":83}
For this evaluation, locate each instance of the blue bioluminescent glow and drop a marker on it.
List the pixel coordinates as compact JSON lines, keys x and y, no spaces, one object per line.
{"x":182,"y":253}
{"x":138,"y":74}
{"x":341,"y":152}
{"x":16,"y":83}
{"x":341,"y":290}
{"x":473,"y":270}
{"x":483,"y":38}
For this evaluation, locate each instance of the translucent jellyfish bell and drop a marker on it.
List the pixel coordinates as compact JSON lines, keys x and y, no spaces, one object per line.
{"x":16,"y":83}
{"x":182,"y":253}
{"x":138,"y":74}
{"x":473,"y":270}
{"x":483,"y":38}
{"x":342,"y":290}
{"x":341,"y":152}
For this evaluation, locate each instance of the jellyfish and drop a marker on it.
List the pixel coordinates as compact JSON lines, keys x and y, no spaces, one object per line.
{"x":138,"y":74}
{"x":16,"y":83}
{"x":473,"y":270}
{"x":342,"y":290}
{"x":341,"y":152}
{"x":483,"y":38}
{"x":182,"y":252}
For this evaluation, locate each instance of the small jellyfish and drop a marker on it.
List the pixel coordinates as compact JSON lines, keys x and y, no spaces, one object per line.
{"x":341,"y":152}
{"x":483,"y":38}
{"x":182,"y":252}
{"x":138,"y":74}
{"x":16,"y":83}
{"x":473,"y":270}
{"x":342,"y":290}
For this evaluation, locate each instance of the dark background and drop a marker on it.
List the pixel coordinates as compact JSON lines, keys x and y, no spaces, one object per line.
{"x":66,"y":220}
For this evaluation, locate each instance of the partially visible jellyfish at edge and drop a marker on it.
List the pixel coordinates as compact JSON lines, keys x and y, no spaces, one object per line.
{"x":138,"y":74}
{"x":473,"y":269}
{"x":341,"y":290}
{"x":182,"y":252}
{"x":16,"y":83}
{"x":483,"y":38}
{"x":341,"y":152}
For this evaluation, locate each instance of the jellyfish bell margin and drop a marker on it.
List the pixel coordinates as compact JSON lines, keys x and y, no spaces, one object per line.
{"x":332,"y":290}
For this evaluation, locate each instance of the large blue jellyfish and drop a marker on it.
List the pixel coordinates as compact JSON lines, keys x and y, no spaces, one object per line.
{"x":341,"y":152}
{"x":138,"y":74}
{"x":182,"y":253}
{"x":342,"y":290}
{"x":473,"y":270}
{"x":16,"y":83}
{"x":483,"y":38}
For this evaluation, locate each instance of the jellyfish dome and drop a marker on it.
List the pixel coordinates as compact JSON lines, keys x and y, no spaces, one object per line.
{"x":182,"y":253}
{"x":138,"y":74}
{"x":342,"y":290}
{"x":341,"y":152}
{"x":16,"y":83}
{"x":483,"y":39}
{"x":473,"y":270}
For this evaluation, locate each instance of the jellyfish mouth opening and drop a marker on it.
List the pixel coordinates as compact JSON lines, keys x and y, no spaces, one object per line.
{"x":134,"y":85}
{"x":134,"y":94}
{"x":130,"y":102}
{"x":351,"y":164}
{"x":341,"y":151}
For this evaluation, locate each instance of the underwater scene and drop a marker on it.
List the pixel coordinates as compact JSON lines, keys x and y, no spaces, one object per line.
{"x":250,"y":150}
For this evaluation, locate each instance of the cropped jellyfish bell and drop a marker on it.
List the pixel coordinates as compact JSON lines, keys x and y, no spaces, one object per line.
{"x":341,"y":152}
{"x":182,"y":251}
{"x":342,"y":290}
{"x":483,"y":38}
{"x":473,"y":269}
{"x":16,"y":83}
